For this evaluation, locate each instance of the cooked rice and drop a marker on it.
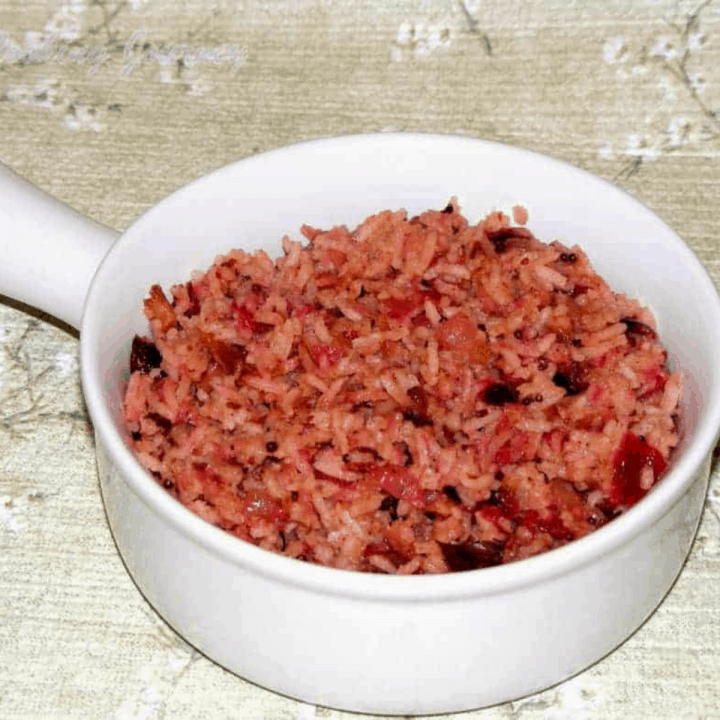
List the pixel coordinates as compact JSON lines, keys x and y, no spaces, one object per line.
{"x":419,"y":395}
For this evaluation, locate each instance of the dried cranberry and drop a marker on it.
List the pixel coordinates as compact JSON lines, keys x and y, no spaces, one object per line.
{"x":501,"y":238}
{"x":472,"y":555}
{"x":389,"y":505}
{"x":419,"y":398}
{"x":636,"y":330}
{"x":452,"y":494}
{"x":162,"y":422}
{"x":572,"y":378}
{"x":417,"y":419}
{"x":499,"y":394}
{"x":631,"y":458}
{"x":144,"y":355}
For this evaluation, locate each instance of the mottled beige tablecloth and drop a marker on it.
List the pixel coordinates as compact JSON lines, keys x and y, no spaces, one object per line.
{"x":111,"y":105}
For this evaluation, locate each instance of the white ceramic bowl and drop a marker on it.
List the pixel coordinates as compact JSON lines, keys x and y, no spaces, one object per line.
{"x":372,"y":643}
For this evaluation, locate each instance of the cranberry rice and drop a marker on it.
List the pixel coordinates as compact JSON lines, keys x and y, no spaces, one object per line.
{"x":419,"y":395}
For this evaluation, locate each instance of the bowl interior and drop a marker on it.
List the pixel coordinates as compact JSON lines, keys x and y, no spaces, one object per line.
{"x":254,"y":202}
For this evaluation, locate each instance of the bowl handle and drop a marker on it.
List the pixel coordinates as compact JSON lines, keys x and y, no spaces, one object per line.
{"x":48,"y":251}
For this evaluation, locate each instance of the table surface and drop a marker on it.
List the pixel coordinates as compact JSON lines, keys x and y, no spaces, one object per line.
{"x":111,"y":105}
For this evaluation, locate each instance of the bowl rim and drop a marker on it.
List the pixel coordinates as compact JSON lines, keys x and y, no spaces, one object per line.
{"x":377,"y":587}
